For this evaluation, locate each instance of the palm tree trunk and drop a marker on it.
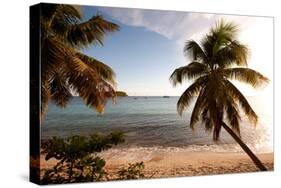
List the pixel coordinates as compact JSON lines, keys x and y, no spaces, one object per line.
{"x":254,"y":158}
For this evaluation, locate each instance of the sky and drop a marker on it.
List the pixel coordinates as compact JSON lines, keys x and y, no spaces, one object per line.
{"x":149,"y":47}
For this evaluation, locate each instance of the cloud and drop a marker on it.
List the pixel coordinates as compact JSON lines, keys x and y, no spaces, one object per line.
{"x":171,"y":24}
{"x":174,"y":25}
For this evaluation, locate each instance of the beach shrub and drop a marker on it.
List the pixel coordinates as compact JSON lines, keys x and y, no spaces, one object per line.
{"x":133,"y":171}
{"x":77,"y":157}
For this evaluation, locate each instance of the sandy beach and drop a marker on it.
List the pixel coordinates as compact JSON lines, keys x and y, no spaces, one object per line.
{"x":180,"y":163}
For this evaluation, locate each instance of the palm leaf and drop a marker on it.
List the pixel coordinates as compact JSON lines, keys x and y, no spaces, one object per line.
{"x":198,"y":108}
{"x":45,"y":97}
{"x":79,"y":77}
{"x":190,"y":71}
{"x":246,"y":75}
{"x":205,"y":118}
{"x":193,"y":50}
{"x":232,"y":114}
{"x":54,"y":52}
{"x":233,"y":92}
{"x":189,"y":93}
{"x":233,"y":53}
{"x":104,"y":71}
{"x":86,"y":82}
{"x":224,"y":30}
{"x":92,"y":31}
{"x":219,"y":37}
{"x":60,"y":90}
{"x":57,"y":17}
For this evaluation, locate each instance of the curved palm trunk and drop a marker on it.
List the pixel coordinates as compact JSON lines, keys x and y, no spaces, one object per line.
{"x":254,"y":158}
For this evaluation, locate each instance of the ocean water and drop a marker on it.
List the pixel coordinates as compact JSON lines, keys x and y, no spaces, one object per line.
{"x":152,"y":123}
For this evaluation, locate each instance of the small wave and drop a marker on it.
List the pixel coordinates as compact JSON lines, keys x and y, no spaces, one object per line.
{"x":147,"y":151}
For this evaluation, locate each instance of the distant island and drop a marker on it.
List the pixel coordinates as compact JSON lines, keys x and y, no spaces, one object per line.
{"x":121,"y":94}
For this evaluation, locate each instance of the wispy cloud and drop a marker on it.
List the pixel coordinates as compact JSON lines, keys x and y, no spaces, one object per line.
{"x":175,"y":25}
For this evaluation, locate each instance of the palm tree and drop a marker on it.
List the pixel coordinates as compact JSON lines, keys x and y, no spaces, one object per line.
{"x":64,"y":69}
{"x":218,"y":57}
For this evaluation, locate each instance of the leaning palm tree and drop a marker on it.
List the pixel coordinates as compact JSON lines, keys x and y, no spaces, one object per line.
{"x":64,"y":69}
{"x":218,"y":57}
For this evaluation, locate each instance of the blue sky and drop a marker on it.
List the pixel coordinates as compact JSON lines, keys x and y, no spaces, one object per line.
{"x":149,"y":46}
{"x":142,"y":59}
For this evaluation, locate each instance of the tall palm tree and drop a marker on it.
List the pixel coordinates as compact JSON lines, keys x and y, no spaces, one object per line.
{"x":218,"y":57}
{"x":64,"y":69}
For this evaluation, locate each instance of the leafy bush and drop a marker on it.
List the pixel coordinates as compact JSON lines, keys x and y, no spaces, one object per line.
{"x":134,"y":171}
{"x":77,"y":159}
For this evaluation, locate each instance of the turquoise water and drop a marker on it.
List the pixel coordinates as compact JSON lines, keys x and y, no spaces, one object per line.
{"x":146,"y":122}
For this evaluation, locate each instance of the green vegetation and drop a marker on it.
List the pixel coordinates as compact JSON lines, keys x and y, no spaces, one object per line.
{"x":134,"y":171}
{"x":64,"y":68}
{"x":216,"y":59}
{"x":121,"y":94}
{"x":78,"y":160}
{"x":77,"y":157}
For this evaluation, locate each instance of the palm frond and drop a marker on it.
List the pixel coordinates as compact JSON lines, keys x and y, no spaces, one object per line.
{"x":60,"y":90}
{"x":224,"y":30}
{"x":233,"y":92}
{"x":246,"y":75}
{"x":104,"y":71}
{"x":54,"y":52}
{"x":233,"y":53}
{"x":57,"y":17}
{"x":191,"y":71}
{"x":79,"y":77}
{"x":205,"y":118}
{"x":68,"y":13}
{"x":215,"y":115}
{"x":198,"y":108}
{"x":92,"y":31}
{"x":219,"y":37}
{"x":232,"y":114}
{"x":48,"y":66}
{"x":189,"y":93}
{"x":45,"y":97}
{"x":194,"y":51}
{"x":86,"y":82}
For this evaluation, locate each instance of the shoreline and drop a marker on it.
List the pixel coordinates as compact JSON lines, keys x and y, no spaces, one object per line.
{"x":159,"y":164}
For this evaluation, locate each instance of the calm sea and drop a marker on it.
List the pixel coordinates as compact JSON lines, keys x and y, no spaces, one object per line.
{"x":150,"y":122}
